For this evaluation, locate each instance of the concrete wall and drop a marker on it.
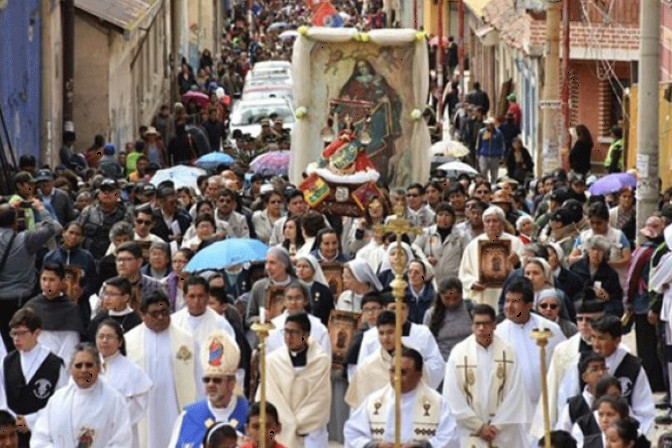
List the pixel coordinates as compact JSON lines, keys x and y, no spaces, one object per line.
{"x":201,"y":17}
{"x":92,"y":80}
{"x":52,"y":83}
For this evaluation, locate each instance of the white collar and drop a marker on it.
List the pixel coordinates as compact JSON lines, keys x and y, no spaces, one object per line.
{"x":127,"y":310}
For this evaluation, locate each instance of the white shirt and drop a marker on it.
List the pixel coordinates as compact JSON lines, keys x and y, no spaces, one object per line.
{"x":60,"y":343}
{"x":318,"y":333}
{"x":519,"y":336}
{"x":98,"y":414}
{"x":419,"y":338}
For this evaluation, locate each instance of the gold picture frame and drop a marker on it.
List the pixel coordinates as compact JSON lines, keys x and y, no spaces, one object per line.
{"x":333,"y":272}
{"x":493,"y":262}
{"x":342,"y":327}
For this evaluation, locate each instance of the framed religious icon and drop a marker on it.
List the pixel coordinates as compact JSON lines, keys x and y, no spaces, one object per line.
{"x":493,"y":262}
{"x":333,"y":272}
{"x":275,"y":301}
{"x":342,"y":326}
{"x":73,"y":278}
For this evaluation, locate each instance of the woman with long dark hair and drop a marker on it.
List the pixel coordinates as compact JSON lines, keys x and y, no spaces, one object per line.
{"x":579,"y":155}
{"x":448,"y":319}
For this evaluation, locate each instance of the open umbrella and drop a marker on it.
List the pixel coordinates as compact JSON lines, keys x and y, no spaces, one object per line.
{"x":289,"y":34}
{"x":202,"y":99}
{"x":612,"y":183}
{"x":213,"y":160}
{"x":277,"y":26}
{"x":273,"y":163}
{"x":450,"y":148}
{"x":458,"y":167}
{"x":227,"y":253}
{"x":180,"y":175}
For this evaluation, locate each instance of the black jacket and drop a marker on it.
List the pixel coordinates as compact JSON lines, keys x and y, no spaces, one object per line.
{"x":610,"y":282}
{"x":579,"y":157}
{"x":160,"y":228}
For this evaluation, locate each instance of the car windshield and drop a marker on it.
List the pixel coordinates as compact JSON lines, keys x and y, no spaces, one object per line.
{"x":252,"y":114}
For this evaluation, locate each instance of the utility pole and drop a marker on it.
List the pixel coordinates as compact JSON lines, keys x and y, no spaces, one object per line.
{"x":565,"y":140}
{"x":68,"y":24}
{"x":439,"y":65}
{"x":647,"y":109}
{"x":175,"y":45}
{"x":460,"y":45}
{"x":549,"y":158}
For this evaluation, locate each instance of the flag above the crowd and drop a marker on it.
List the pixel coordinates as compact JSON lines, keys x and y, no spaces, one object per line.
{"x":324,"y":14}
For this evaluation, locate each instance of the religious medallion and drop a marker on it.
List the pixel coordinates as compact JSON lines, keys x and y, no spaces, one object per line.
{"x":183,"y":354}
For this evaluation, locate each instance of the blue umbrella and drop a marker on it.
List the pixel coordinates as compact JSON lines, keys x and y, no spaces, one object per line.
{"x":212,"y":160}
{"x":227,"y":253}
{"x":612,"y":183}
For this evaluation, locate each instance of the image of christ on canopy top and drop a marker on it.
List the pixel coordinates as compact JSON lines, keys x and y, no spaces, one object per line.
{"x":367,"y":95}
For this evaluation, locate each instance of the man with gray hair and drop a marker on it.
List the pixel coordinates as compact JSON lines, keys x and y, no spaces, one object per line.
{"x":494,"y":253}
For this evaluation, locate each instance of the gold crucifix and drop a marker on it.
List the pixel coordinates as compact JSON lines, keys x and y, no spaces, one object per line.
{"x":501,"y":374}
{"x":398,"y":225}
{"x":542,"y":335}
{"x":469,"y":379}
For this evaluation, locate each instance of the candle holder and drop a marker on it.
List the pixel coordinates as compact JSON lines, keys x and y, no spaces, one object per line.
{"x":541,"y":335}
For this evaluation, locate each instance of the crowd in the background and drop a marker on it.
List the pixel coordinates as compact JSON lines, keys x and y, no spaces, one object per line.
{"x":109,"y":341}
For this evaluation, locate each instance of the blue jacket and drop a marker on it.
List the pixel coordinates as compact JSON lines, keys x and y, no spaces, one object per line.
{"x":197,"y":414}
{"x":493,"y":146}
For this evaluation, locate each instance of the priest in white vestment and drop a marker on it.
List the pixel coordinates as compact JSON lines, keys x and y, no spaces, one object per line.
{"x":516,"y":330}
{"x":199,"y":320}
{"x":373,"y":373}
{"x":166,"y":354}
{"x":565,"y":356}
{"x":484,"y":388}
{"x":86,"y":413}
{"x":298,"y":383}
{"x":426,"y":420}
{"x":414,"y":336}
{"x":296,"y":299}
{"x":122,"y":374}
{"x":469,"y":272}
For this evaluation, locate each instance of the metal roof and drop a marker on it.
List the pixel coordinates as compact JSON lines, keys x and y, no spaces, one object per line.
{"x":124,"y":14}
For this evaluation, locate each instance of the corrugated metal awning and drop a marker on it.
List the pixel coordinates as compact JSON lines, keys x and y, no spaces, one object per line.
{"x":124,"y":14}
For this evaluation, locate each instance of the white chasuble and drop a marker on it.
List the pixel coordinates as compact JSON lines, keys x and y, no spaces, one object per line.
{"x":200,"y":327}
{"x":96,"y":417}
{"x":424,"y":417}
{"x":485,"y":386}
{"x":421,"y":339}
{"x":168,"y":359}
{"x":519,"y":336}
{"x":469,"y":271}
{"x":302,"y":395}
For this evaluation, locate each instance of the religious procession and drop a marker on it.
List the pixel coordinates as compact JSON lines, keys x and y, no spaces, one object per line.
{"x":329,"y":226}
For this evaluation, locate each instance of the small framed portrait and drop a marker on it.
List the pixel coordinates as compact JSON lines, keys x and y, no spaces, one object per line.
{"x":333,"y":272}
{"x":73,"y":279}
{"x":342,"y":326}
{"x":275,"y":301}
{"x":493,"y":262}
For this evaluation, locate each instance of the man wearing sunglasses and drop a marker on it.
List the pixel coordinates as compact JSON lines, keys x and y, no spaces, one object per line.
{"x":219,"y":359}
{"x":166,"y":354}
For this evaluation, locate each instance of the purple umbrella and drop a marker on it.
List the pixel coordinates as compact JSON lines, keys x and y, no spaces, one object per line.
{"x":612,"y":183}
{"x":273,"y":163}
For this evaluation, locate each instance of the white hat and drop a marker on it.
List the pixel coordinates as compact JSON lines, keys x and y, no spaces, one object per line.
{"x":220,"y":355}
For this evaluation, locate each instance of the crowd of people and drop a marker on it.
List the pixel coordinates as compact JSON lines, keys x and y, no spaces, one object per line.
{"x":108,"y":341}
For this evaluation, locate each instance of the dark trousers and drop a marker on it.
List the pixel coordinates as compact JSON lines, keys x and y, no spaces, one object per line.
{"x":645,"y":333}
{"x":7,"y":310}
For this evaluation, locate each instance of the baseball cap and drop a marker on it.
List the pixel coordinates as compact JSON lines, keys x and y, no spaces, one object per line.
{"x":23,"y":177}
{"x":148,"y":190}
{"x":109,"y":184}
{"x":44,"y":175}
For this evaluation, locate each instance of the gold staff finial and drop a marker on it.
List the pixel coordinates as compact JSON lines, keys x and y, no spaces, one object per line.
{"x":399,"y":226}
{"x":541,"y":335}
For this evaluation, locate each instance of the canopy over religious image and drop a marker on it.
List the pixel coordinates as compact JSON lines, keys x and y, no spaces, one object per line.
{"x":371,"y":85}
